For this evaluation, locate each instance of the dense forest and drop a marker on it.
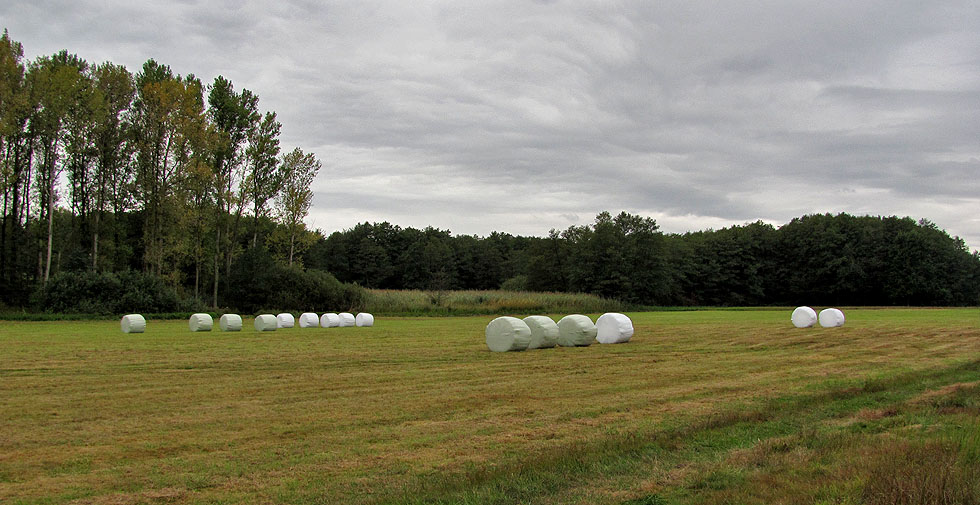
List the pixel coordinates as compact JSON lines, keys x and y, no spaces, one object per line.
{"x":817,"y":259}
{"x":156,"y":190}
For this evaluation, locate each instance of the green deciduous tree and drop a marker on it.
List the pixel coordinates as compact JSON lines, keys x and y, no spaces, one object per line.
{"x":169,"y":123}
{"x":263,"y":179}
{"x":14,"y":157}
{"x":56,"y":83}
{"x":112,"y":134}
{"x":293,"y":202}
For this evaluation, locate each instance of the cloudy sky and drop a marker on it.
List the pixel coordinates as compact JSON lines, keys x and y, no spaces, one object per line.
{"x":522,"y":116}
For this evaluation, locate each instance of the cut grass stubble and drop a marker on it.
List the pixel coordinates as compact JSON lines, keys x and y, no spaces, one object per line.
{"x":417,"y":410}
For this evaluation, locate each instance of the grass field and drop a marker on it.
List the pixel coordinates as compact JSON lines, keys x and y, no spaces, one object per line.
{"x":700,"y":407}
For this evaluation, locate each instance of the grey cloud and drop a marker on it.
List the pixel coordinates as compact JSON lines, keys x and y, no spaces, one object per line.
{"x":699,"y":112}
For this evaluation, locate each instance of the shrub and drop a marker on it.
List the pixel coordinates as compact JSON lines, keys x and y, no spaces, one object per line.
{"x":259,"y":282}
{"x":105,"y":293}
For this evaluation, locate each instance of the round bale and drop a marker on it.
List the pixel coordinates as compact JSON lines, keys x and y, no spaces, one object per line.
{"x":200,"y":322}
{"x":544,"y":332}
{"x":508,"y":334}
{"x":265,"y":322}
{"x":576,"y":330}
{"x":364,"y":319}
{"x":346,"y":319}
{"x":133,"y":323}
{"x":230,"y":322}
{"x":831,"y":318}
{"x":804,"y":317}
{"x":285,"y":320}
{"x":613,"y":328}
{"x":330,"y":320}
{"x":309,"y":320}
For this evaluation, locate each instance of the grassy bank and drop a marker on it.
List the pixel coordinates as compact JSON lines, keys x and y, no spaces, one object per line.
{"x":449,"y":303}
{"x":700,"y":407}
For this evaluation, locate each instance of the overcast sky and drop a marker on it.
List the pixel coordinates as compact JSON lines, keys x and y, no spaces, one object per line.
{"x":522,"y":116}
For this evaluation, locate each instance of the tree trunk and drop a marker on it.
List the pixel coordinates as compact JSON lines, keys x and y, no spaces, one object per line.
{"x":47,"y":265}
{"x":255,"y":224}
{"x":14,"y":218}
{"x":217,"y":253}
{"x":233,"y":238}
{"x":292,"y":240}
{"x":95,"y":241}
{"x":197,"y":278}
{"x":3,"y":234}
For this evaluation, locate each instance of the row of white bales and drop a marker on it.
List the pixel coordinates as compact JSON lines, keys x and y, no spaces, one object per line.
{"x":539,"y":332}
{"x":136,"y":323}
{"x":805,"y":317}
{"x":502,"y":334}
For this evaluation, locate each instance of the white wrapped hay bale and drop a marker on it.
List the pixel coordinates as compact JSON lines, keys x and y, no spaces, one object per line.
{"x":266,"y":322}
{"x":544,"y":332}
{"x":613,"y":328}
{"x":576,"y":330}
{"x":804,"y":317}
{"x":330,"y":320}
{"x":346,"y":319}
{"x":831,"y":318}
{"x":508,"y":334}
{"x":133,"y":323}
{"x":364,"y":319}
{"x":230,"y":322}
{"x":200,"y":322}
{"x":285,"y":320}
{"x":309,"y":320}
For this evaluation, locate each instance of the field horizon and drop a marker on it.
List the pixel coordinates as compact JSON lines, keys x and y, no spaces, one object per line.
{"x":710,"y":406}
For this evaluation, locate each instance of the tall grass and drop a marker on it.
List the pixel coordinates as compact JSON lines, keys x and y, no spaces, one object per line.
{"x":911,"y":473}
{"x":436,"y":303}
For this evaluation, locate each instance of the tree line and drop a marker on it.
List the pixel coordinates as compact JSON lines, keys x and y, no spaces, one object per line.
{"x":817,"y":259}
{"x":103,"y":170}
{"x":120,"y":185}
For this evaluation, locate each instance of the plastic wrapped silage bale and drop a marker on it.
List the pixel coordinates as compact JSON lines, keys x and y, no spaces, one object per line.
{"x":133,"y":323}
{"x":364,"y":319}
{"x":544,"y":332}
{"x":230,"y":322}
{"x":309,"y":320}
{"x":329,"y":320}
{"x":346,"y":319}
{"x":804,"y":317}
{"x":285,"y":320}
{"x":508,"y":334}
{"x":613,"y":328}
{"x":576,"y":330}
{"x":831,"y":318}
{"x":200,"y":322}
{"x":266,"y":322}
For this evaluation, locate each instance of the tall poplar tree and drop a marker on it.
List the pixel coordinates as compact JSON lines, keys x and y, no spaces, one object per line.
{"x":14,"y":149}
{"x":233,"y":116}
{"x":56,"y":82}
{"x":112,"y":137}
{"x":296,"y":197}
{"x":169,"y":117}
{"x":263,"y":178}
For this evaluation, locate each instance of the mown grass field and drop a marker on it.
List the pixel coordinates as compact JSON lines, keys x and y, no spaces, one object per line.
{"x":700,"y":407}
